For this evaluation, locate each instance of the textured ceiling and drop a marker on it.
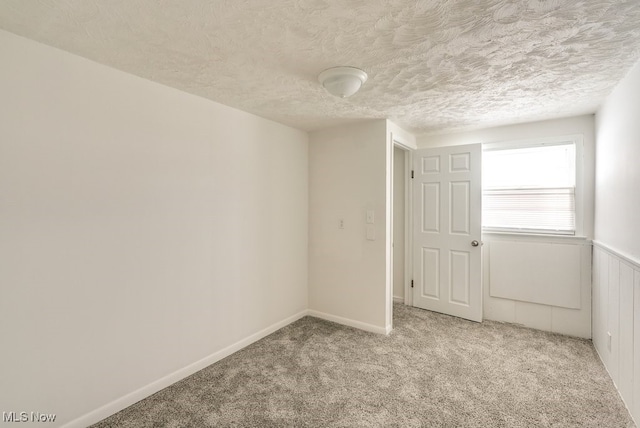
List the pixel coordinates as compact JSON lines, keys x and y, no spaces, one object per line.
{"x":433,"y":65}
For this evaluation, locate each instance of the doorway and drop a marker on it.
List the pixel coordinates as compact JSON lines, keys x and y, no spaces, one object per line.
{"x":401,"y":225}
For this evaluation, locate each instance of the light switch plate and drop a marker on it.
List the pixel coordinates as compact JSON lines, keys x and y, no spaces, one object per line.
{"x":370,"y":217}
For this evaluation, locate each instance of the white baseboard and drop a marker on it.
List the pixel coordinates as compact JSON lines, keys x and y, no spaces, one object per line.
{"x":397,"y":299}
{"x":349,"y":322}
{"x":150,"y":389}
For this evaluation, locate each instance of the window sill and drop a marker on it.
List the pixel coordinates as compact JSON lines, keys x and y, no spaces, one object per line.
{"x":534,"y":237}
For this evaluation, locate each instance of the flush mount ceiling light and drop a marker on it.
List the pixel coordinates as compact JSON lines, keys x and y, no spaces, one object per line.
{"x":342,"y":81}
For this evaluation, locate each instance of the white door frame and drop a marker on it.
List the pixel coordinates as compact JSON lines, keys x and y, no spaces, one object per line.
{"x":407,"y":147}
{"x":408,"y":240}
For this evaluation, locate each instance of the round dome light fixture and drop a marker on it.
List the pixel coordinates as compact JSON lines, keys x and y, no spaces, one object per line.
{"x":342,"y":81}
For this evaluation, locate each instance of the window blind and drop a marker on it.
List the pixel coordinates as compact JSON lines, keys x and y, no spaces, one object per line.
{"x":541,"y":210}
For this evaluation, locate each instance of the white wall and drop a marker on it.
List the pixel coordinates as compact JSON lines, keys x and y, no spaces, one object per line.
{"x":144,"y":232}
{"x":542,"y":312}
{"x":616,"y":302}
{"x":617,"y":206}
{"x":348,"y":280}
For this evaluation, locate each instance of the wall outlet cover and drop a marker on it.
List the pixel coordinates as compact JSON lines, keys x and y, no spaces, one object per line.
{"x":371,"y":233}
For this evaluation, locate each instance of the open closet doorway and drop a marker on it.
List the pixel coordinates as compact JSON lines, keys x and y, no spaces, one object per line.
{"x":400,"y":221}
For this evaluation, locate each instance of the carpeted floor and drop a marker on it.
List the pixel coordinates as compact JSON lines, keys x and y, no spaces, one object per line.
{"x":431,"y":371}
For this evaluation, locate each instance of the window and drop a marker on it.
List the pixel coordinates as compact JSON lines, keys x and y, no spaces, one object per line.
{"x":531,"y":188}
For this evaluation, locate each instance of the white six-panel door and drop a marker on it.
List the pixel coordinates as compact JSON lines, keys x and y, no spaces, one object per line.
{"x":447,"y":198}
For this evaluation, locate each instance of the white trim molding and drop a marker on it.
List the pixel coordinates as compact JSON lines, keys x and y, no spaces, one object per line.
{"x":349,"y":322}
{"x":624,"y":257}
{"x":133,"y":397}
{"x":150,"y":389}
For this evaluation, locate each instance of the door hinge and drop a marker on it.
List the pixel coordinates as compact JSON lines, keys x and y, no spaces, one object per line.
{"x":411,"y":173}
{"x":412,"y":283}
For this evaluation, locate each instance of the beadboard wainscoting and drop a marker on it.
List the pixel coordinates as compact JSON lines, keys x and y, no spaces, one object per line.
{"x":616,"y":320}
{"x":538,"y":281}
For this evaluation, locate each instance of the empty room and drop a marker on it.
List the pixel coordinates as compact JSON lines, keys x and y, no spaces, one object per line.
{"x":320,"y":213}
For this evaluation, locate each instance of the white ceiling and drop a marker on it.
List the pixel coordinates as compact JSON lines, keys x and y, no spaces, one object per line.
{"x":433,"y":65}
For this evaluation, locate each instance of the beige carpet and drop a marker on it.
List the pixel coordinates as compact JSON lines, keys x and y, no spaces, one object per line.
{"x":431,"y":371}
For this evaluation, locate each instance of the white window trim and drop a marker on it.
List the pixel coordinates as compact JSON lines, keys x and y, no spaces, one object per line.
{"x":576,"y":139}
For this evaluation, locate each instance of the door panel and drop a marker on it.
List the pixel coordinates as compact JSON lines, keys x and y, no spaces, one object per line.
{"x":459,"y":210}
{"x":430,"y":278}
{"x":459,"y":279}
{"x":447,"y":208}
{"x":431,"y":207}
